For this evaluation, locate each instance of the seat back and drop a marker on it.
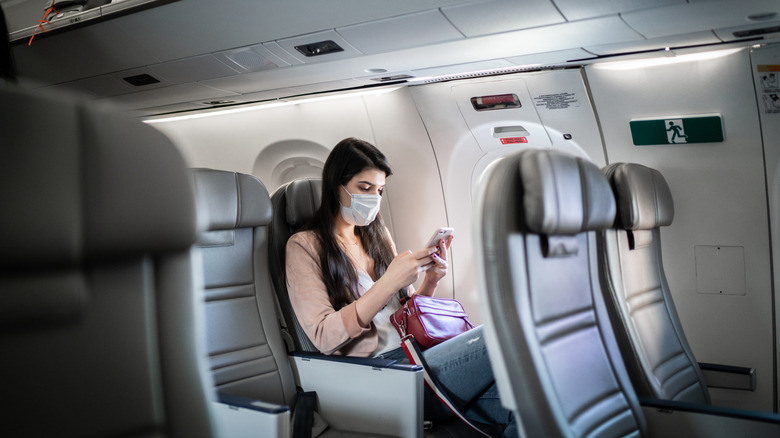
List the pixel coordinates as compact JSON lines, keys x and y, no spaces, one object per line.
{"x":293,"y":205}
{"x":656,"y":352}
{"x":99,"y":315}
{"x":550,"y":343}
{"x":246,"y":352}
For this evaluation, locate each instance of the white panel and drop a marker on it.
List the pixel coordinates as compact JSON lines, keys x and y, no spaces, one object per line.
{"x":578,"y":9}
{"x":498,"y":16}
{"x":366,"y":399}
{"x":719,"y":197}
{"x":240,"y":422}
{"x":400,"y":32}
{"x":698,"y":16}
{"x":720,"y":269}
{"x":289,"y":46}
{"x":574,"y":117}
{"x":689,"y":39}
{"x":414,"y":195}
{"x":482,"y":123}
{"x":194,"y":69}
{"x":456,"y":152}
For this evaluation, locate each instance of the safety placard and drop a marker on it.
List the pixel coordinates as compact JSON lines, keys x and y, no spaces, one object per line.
{"x":770,"y":87}
{"x":677,"y":130}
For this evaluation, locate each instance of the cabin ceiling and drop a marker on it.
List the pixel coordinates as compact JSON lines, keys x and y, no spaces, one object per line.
{"x":204,"y":52}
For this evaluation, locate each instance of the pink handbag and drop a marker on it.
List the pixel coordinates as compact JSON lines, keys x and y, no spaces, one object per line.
{"x":430,"y":320}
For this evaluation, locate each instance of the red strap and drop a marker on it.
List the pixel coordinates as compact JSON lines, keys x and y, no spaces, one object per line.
{"x":415,"y":356}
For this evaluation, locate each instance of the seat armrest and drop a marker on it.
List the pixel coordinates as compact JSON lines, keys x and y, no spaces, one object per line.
{"x":370,"y":396}
{"x":363,"y":361}
{"x":241,"y":417}
{"x":667,"y":418}
{"x":728,"y":377}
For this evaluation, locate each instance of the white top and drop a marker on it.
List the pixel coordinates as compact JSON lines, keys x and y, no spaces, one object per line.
{"x":388,"y":335}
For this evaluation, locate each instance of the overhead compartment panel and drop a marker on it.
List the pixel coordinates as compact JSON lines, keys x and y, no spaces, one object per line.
{"x":501,"y":16}
{"x":198,"y":68}
{"x":578,"y":9}
{"x":402,"y":32}
{"x":698,"y":16}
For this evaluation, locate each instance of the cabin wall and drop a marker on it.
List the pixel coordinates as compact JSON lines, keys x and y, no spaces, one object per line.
{"x":466,"y":146}
{"x":720,"y":233}
{"x":280,"y":143}
{"x":440,"y":148}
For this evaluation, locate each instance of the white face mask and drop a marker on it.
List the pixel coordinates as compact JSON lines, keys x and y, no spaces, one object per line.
{"x":362,"y":210}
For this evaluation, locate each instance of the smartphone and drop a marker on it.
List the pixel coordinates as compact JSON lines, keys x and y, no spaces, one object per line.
{"x":441,"y":234}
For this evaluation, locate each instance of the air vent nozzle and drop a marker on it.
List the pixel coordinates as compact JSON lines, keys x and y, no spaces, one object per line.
{"x":319,"y":48}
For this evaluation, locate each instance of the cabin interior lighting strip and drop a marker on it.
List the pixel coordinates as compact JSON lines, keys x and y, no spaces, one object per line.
{"x":273,"y":104}
{"x":669,"y":58}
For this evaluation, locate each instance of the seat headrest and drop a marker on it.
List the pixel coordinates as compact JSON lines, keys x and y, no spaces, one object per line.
{"x":644,"y":200}
{"x":564,"y":194}
{"x":304,"y":197}
{"x":232,"y":200}
{"x":78,"y":183}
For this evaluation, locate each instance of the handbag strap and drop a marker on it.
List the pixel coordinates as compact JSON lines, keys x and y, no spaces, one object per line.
{"x":415,"y":356}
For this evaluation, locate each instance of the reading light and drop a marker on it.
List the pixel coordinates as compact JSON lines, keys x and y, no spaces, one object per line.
{"x":669,"y":58}
{"x":273,"y":104}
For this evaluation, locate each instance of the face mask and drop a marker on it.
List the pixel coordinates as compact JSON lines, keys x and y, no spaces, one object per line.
{"x":362,"y":210}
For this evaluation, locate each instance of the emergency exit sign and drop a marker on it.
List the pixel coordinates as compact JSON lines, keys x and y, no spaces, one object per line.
{"x":677,"y":130}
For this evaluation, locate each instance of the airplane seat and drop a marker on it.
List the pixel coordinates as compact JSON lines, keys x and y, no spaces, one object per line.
{"x":246,"y":350}
{"x":655,"y":349}
{"x":246,"y":355}
{"x":294,"y":204}
{"x":548,"y":335}
{"x":102,"y":331}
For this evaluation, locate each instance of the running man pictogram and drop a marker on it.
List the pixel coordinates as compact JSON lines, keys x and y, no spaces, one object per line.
{"x":676,"y":131}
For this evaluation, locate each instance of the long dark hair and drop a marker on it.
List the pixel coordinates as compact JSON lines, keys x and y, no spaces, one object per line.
{"x":350,"y":157}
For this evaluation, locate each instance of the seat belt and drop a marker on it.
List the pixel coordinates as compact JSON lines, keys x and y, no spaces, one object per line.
{"x":414,"y":354}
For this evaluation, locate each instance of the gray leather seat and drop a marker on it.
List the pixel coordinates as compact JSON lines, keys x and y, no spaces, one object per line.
{"x":293,"y":205}
{"x":246,"y":354}
{"x":248,"y":357}
{"x":550,"y":342}
{"x":549,"y":334}
{"x":102,"y":333}
{"x":656,"y":352}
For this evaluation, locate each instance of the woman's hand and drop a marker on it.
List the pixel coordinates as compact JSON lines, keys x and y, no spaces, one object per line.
{"x":406,"y":267}
{"x":438,"y":270}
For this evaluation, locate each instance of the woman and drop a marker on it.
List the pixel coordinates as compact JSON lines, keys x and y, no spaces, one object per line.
{"x":345,"y":280}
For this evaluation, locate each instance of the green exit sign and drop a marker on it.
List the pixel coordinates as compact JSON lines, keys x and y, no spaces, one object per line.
{"x":677,"y":130}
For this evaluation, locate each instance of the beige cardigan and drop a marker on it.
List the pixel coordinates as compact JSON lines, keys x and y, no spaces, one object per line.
{"x":332,"y":331}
